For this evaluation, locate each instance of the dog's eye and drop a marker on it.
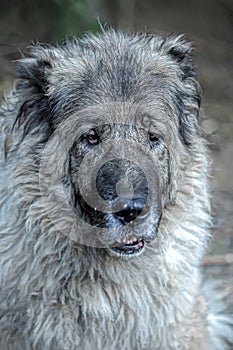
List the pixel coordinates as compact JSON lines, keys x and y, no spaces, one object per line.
{"x":152,"y":138}
{"x":93,"y":139}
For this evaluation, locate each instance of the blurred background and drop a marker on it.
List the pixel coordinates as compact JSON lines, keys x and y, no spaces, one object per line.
{"x":207,"y":23}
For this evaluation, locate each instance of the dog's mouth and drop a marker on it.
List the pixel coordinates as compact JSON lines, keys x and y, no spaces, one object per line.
{"x":130,"y":247}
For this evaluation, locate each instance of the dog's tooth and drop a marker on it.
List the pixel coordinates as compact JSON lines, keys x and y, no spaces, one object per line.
{"x":126,"y":240}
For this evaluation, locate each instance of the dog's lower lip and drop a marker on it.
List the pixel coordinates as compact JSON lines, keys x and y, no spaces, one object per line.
{"x":132,"y":248}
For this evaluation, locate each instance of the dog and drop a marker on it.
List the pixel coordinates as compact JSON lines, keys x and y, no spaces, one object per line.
{"x":105,"y":208}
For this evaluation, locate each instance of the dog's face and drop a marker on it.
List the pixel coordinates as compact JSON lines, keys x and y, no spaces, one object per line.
{"x":121,"y":106}
{"x":123,"y":184}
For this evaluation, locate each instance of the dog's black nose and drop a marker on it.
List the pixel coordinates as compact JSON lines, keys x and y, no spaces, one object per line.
{"x":130,"y":213}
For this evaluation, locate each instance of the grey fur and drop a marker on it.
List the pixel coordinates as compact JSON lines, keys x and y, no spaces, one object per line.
{"x":59,"y":294}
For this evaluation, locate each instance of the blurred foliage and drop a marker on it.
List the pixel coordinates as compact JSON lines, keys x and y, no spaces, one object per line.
{"x":73,"y":17}
{"x":26,"y":21}
{"x":48,"y":20}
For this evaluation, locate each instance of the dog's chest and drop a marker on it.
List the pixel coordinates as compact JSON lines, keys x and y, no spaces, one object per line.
{"x":124,"y":314}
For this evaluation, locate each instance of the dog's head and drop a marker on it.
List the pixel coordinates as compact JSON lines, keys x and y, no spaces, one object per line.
{"x":115,"y":117}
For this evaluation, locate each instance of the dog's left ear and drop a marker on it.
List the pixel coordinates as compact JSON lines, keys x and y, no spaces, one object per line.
{"x":187,"y":91}
{"x":182,"y":52}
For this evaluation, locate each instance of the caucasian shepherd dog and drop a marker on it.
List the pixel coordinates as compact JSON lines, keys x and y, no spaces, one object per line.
{"x":104,"y":200}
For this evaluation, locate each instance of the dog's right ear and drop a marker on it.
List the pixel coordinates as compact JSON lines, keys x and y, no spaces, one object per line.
{"x":31,"y":87}
{"x":33,"y":73}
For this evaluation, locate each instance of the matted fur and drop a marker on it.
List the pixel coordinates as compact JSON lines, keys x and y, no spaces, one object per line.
{"x":57,"y":294}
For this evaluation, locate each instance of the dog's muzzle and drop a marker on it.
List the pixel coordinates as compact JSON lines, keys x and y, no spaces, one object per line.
{"x":119,"y":207}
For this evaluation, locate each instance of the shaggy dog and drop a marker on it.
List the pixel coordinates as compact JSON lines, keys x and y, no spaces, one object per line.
{"x":104,"y":200}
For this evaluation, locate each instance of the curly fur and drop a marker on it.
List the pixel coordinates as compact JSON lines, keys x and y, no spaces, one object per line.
{"x":57,"y":294}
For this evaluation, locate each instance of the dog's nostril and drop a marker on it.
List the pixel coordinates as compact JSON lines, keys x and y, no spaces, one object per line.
{"x":129,"y":214}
